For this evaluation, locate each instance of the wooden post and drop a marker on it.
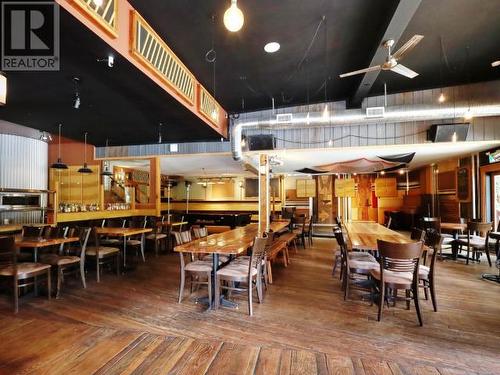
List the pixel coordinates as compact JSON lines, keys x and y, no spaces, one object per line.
{"x":155,"y":184}
{"x":263,"y":194}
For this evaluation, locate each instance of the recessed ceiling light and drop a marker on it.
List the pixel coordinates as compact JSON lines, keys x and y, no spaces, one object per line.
{"x":272,"y":47}
{"x":495,"y":63}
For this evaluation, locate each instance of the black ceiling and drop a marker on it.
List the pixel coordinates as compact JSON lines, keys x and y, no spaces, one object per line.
{"x":122,"y":104}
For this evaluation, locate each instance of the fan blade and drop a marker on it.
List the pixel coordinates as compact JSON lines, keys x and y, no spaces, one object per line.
{"x":403,"y":70}
{"x":370,"y":69}
{"x":407,"y":47}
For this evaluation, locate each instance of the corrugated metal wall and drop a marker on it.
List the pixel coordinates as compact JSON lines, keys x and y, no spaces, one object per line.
{"x":23,"y":165}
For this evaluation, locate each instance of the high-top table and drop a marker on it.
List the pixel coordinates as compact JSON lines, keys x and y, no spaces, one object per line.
{"x":232,"y":242}
{"x":363,"y":235}
{"x":125,"y":233}
{"x":38,"y":243}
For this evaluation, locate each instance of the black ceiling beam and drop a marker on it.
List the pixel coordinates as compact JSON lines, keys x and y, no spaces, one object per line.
{"x":399,"y":21}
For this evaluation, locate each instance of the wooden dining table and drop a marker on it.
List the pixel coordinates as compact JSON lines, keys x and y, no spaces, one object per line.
{"x":363,"y":235}
{"x":455,"y":227}
{"x":39,"y":243}
{"x":232,"y":242}
{"x":125,"y":233}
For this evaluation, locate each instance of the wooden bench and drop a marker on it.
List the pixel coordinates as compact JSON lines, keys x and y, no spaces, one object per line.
{"x":278,"y":247}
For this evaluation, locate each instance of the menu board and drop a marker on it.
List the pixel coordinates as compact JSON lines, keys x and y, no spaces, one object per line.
{"x":345,"y":187}
{"x":306,"y":188}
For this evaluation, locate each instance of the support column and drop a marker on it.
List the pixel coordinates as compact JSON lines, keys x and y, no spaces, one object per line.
{"x":263,"y":194}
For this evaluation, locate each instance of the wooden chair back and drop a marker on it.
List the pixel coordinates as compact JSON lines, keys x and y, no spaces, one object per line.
{"x":434,"y":241}
{"x":138,"y":222}
{"x":258,"y":253}
{"x":182,"y":237}
{"x":32,"y":231}
{"x":417,"y":234}
{"x":7,"y":251}
{"x":400,"y":257}
{"x":199,"y":232}
{"x":83,"y":234}
{"x":431,"y":224}
{"x":344,"y":258}
{"x":481,"y":229}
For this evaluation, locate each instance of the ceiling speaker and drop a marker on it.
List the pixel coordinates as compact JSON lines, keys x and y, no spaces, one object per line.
{"x":448,"y":132}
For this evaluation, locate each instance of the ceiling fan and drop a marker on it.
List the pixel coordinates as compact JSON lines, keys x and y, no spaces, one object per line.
{"x":392,"y":61}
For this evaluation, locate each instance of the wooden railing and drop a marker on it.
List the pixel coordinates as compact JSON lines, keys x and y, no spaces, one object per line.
{"x":208,"y":106}
{"x":150,"y":49}
{"x":105,"y":14}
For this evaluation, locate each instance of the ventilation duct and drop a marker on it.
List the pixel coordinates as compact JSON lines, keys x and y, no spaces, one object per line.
{"x":393,"y":114}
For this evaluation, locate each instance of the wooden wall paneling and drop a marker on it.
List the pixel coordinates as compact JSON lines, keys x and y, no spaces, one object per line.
{"x":386,"y":187}
{"x":325,"y":199}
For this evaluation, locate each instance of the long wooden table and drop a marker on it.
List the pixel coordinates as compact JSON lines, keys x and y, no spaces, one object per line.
{"x":231,"y":242}
{"x":363,"y":235}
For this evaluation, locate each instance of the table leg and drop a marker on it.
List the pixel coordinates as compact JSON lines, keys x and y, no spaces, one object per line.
{"x":124,"y":252}
{"x":143,"y":240}
{"x":215,"y":266}
{"x":35,"y":257}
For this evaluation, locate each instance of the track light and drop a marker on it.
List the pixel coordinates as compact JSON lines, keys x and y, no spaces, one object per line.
{"x":76,"y":100}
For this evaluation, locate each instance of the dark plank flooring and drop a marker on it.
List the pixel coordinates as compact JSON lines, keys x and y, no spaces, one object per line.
{"x":133,"y":324}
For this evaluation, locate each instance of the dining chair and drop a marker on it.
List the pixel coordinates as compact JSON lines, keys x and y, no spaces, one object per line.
{"x":433,"y":225}
{"x":158,"y":236}
{"x":308,"y":230}
{"x":102,"y":254}
{"x":477,"y":240}
{"x":300,"y":228}
{"x":355,"y":266}
{"x":426,"y":274}
{"x":71,"y":260}
{"x":26,"y":273}
{"x":199,"y":271}
{"x":247,"y":275}
{"x":112,"y":223}
{"x":199,"y":231}
{"x":398,"y":270}
{"x":137,"y":241}
{"x":352,"y":254}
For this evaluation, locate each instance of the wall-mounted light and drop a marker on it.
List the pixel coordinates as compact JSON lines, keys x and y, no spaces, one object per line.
{"x":233,"y":17}
{"x":3,"y":89}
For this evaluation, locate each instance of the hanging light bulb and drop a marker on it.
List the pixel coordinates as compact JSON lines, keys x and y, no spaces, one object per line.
{"x":454,"y":137}
{"x":441,"y":98}
{"x":59,"y":164}
{"x":382,"y":173}
{"x":85,"y":169}
{"x":233,"y":17}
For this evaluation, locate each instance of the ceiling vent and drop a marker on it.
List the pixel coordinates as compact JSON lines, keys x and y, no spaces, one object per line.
{"x":284,"y":118}
{"x":375,"y":112}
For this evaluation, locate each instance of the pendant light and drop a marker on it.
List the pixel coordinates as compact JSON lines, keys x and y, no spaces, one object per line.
{"x":233,"y":17}
{"x":106,"y":171}
{"x":85,"y":168}
{"x":59,"y":164}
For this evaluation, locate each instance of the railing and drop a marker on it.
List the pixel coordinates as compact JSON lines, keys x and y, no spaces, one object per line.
{"x":152,"y":51}
{"x":105,"y":14}
{"x":208,"y":106}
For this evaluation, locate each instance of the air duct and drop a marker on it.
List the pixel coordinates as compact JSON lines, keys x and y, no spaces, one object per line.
{"x":393,"y":114}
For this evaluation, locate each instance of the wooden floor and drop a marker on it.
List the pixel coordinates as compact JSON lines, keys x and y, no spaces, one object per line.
{"x":133,"y":324}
